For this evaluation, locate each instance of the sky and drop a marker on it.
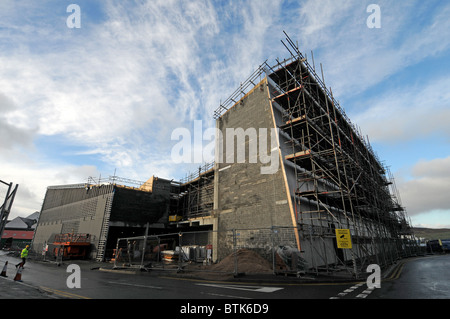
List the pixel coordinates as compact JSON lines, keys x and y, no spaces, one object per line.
{"x":97,"y":90}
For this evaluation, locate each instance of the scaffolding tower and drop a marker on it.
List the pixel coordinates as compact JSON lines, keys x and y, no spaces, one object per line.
{"x":340,"y":182}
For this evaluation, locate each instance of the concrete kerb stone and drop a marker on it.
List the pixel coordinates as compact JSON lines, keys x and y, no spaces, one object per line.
{"x":393,"y":270}
{"x":388,"y":272}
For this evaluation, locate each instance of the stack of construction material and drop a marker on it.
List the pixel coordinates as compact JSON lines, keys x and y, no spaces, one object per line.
{"x":170,"y":255}
{"x":288,"y":260}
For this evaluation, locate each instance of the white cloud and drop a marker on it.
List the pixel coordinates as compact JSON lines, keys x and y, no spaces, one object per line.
{"x":120,"y":84}
{"x":405,"y":114}
{"x":34,"y":178}
{"x":433,"y":219}
{"x":11,"y":134}
{"x":118,"y":88}
{"x":426,"y":191}
{"x":355,"y":57}
{"x":315,"y":17}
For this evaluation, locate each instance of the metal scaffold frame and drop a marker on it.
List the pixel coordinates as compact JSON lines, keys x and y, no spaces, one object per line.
{"x":340,"y":181}
{"x":195,"y":196}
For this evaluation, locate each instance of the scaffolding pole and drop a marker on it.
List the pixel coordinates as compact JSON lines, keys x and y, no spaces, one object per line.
{"x":340,"y":182}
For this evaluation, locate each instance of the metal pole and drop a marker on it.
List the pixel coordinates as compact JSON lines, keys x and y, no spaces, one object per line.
{"x":117,"y":253}
{"x":235,"y":253}
{"x":158,"y":257}
{"x":145,"y":244}
{"x":3,"y":209}
{"x":180,"y":255}
{"x":273,"y":249}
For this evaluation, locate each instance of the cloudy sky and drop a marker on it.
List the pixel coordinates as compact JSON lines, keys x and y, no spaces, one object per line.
{"x":106,"y":97}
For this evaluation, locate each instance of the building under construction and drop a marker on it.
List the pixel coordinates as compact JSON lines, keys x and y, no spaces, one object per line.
{"x":102,"y":211}
{"x":327,"y":178}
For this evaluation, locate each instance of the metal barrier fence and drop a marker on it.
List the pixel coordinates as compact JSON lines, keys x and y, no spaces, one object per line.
{"x":250,"y":251}
{"x":268,"y":251}
{"x":169,"y":251}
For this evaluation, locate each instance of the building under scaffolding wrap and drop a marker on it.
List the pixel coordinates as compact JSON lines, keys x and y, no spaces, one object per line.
{"x":324,"y":180}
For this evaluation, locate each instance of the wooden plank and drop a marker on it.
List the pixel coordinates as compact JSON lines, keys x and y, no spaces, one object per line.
{"x":286,"y":93}
{"x":298,"y":154}
{"x":296,"y":119}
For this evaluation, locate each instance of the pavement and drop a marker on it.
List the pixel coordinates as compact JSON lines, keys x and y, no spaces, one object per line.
{"x":11,"y":289}
{"x":18,"y":289}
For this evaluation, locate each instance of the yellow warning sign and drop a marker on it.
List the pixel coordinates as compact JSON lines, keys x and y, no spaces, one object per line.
{"x":343,"y":238}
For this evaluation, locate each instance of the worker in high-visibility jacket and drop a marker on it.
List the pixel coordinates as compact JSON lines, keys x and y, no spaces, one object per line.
{"x":24,"y":256}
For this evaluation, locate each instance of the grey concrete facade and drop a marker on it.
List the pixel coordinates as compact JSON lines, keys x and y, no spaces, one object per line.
{"x":105,"y":212}
{"x":72,"y":210}
{"x":247,"y":198}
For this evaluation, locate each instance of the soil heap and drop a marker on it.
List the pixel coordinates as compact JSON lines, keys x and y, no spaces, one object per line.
{"x":248,"y":262}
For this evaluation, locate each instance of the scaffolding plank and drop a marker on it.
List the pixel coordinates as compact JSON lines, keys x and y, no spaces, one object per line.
{"x":298,"y":154}
{"x":288,"y":92}
{"x":296,"y":120}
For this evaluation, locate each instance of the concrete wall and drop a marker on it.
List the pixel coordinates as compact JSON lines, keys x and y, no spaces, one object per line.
{"x":77,"y":210}
{"x":244,"y":197}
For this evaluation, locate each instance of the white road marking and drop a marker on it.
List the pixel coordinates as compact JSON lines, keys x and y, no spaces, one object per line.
{"x":348,"y":290}
{"x":134,"y":285}
{"x":247,"y":288}
{"x":226,"y":296}
{"x":364,"y":294}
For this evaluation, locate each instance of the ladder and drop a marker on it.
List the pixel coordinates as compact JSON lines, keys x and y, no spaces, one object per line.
{"x":101,"y":247}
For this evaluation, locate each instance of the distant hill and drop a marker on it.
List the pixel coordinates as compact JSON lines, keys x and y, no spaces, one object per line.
{"x":432,"y":233}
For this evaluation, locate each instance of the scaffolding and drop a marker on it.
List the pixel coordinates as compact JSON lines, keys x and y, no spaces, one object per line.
{"x":340,"y":182}
{"x":195,"y":197}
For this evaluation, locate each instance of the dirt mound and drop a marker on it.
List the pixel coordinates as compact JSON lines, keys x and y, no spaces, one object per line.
{"x":248,"y":262}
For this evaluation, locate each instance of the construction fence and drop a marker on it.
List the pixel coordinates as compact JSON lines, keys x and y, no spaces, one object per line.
{"x":250,"y":251}
{"x":229,"y":252}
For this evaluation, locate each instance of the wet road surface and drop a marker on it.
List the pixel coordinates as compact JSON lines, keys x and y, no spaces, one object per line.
{"x":413,"y":278}
{"x":418,"y":278}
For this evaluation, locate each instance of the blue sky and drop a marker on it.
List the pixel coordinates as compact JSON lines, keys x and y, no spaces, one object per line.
{"x":106,"y":97}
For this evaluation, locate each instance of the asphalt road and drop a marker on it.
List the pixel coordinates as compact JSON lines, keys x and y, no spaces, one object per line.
{"x":96,"y":284}
{"x":418,"y":278}
{"x":422,"y":277}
